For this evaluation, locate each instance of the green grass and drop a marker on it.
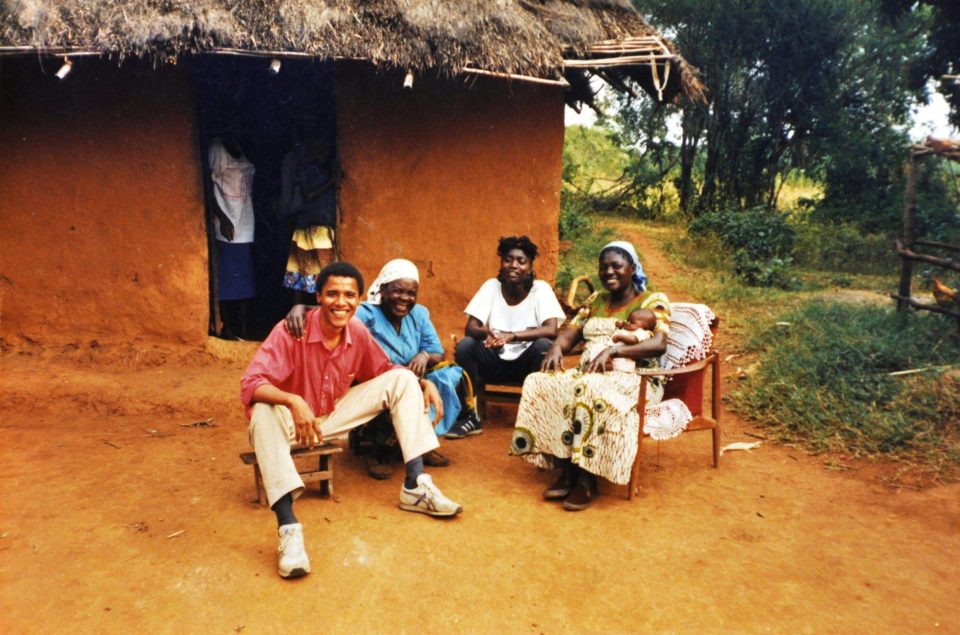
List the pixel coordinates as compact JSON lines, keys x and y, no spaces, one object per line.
{"x":824,"y":382}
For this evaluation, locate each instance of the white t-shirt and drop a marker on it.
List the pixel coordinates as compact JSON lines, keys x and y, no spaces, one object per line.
{"x":492,"y":310}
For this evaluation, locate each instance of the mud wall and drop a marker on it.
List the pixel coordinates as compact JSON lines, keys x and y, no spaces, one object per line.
{"x":101,"y":209}
{"x":438,"y":173}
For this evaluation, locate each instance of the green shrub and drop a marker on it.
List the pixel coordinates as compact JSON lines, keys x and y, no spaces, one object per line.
{"x":824,"y":381}
{"x":845,"y":248}
{"x":575,"y":218}
{"x":773,"y":272}
{"x":760,"y":239}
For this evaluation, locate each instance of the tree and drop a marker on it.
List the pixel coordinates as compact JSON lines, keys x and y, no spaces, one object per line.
{"x":791,"y":84}
{"x":860,"y":155}
{"x":941,"y":55}
{"x":769,"y":67}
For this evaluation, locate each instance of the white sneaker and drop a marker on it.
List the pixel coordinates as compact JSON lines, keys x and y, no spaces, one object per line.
{"x":294,"y":562}
{"x":427,"y":499}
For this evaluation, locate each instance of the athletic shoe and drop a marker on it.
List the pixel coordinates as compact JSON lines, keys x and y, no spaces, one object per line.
{"x":427,"y":499}
{"x":468,"y":426}
{"x":294,"y":562}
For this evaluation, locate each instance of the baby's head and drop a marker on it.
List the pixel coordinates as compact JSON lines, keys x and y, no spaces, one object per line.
{"x":641,"y":319}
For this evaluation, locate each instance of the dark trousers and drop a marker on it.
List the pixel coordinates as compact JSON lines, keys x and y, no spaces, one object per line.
{"x":484,"y":365}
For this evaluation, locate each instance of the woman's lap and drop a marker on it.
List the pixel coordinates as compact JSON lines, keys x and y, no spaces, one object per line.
{"x":590,"y":418}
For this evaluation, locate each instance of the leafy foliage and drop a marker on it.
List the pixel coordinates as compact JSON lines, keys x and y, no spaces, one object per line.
{"x":843,"y":248}
{"x":586,"y":239}
{"x":761,"y":242}
{"x":575,"y":219}
{"x":941,"y":55}
{"x":817,"y":85}
{"x":592,"y":159}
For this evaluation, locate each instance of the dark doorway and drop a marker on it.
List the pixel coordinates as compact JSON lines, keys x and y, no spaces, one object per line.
{"x":259,"y":116}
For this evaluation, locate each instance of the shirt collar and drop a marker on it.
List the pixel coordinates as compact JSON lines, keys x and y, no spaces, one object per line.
{"x":315,"y":335}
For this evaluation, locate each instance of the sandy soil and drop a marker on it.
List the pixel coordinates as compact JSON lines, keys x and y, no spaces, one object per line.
{"x":116,"y":517}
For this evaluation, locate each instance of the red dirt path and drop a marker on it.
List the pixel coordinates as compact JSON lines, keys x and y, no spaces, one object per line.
{"x":98,"y":477}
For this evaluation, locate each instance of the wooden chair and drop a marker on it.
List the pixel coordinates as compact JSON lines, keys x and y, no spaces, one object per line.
{"x":687,"y":384}
{"x":499,"y":392}
{"x":509,"y":392}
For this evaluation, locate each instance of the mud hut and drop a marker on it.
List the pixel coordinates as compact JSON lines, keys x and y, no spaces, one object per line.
{"x":447,"y":116}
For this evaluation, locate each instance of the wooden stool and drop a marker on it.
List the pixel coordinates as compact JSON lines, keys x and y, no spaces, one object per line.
{"x":321,"y":471}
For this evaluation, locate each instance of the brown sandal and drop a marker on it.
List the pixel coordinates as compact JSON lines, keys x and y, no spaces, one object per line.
{"x":583,"y":494}
{"x":564,"y":483}
{"x":435,"y":459}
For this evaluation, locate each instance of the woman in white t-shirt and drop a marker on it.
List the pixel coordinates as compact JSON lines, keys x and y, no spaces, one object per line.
{"x":511,"y":322}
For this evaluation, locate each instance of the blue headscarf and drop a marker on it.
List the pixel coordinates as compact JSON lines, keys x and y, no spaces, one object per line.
{"x":639,"y":278}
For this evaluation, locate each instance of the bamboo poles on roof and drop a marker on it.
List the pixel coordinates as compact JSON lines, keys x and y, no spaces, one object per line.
{"x":607,"y":62}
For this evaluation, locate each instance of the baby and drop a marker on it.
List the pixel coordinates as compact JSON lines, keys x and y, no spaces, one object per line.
{"x":638,"y":327}
{"x":602,"y":333}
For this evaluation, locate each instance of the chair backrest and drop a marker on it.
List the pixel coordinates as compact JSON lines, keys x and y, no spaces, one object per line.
{"x":692,"y":329}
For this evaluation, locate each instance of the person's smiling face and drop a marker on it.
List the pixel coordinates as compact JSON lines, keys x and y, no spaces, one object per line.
{"x":338,"y":300}
{"x":397,"y":298}
{"x":615,"y":271}
{"x":515,"y":266}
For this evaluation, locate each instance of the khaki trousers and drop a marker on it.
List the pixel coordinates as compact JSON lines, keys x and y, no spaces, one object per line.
{"x":272,"y":431}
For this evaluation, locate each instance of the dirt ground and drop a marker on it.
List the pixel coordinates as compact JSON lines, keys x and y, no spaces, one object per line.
{"x":116,"y":516}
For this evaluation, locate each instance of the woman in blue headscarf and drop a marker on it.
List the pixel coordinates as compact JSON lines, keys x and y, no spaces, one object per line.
{"x":584,"y":420}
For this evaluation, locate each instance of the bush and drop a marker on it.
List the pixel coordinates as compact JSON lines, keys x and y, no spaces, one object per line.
{"x":763,"y":273}
{"x":845,"y":248}
{"x":575,"y":219}
{"x":760,"y":239}
{"x":824,"y":382}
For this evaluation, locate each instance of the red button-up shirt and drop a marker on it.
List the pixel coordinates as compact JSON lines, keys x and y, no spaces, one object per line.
{"x":307,"y":368}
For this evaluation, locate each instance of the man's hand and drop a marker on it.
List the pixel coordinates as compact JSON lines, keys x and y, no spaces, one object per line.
{"x":419,"y":363}
{"x":431,"y":397}
{"x":305,"y":422}
{"x":296,"y":321}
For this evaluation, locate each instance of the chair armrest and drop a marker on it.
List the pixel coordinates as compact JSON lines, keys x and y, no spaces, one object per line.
{"x":689,"y":368}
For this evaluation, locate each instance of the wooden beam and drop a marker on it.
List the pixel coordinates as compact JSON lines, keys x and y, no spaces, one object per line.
{"x":521,"y":78}
{"x":924,"y":306}
{"x":627,"y":60}
{"x":938,"y":245}
{"x":906,"y":235}
{"x":59,"y":51}
{"x":908,"y":254}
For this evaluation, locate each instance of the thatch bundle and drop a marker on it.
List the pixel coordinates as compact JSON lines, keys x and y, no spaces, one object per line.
{"x":529,"y":37}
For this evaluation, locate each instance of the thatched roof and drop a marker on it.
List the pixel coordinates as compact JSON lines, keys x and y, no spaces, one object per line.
{"x":526,"y":37}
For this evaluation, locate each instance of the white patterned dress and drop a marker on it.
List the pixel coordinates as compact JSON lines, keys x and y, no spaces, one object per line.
{"x":590,"y":418}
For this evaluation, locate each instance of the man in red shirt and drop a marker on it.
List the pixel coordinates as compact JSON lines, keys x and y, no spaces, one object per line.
{"x":335,"y":378}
